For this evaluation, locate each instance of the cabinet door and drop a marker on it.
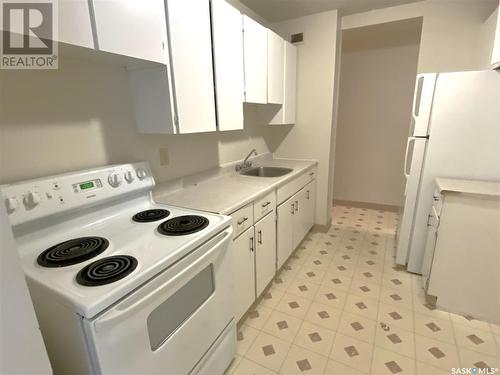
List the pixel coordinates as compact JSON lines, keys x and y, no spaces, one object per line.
{"x":75,"y":26}
{"x":495,"y":53}
{"x":255,"y":61}
{"x":131,"y":28}
{"x":275,"y":68}
{"x":286,"y":215}
{"x":286,"y":114}
{"x":228,"y":64}
{"x":309,"y":206}
{"x":265,"y":253}
{"x":191,"y":57}
{"x":299,"y":220}
{"x":243,"y":249}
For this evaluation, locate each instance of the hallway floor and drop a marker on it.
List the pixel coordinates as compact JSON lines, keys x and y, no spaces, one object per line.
{"x":340,"y":306}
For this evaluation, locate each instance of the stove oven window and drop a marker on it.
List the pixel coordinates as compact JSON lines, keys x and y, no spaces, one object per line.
{"x":171,"y":314}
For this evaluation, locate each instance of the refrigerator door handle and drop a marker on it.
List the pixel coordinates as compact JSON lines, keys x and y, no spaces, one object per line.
{"x":410,"y":139}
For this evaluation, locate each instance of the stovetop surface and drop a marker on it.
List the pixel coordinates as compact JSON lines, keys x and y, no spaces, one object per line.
{"x":143,"y":241}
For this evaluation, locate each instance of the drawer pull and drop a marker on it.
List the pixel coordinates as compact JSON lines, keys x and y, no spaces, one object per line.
{"x":266,"y":204}
{"x":296,"y":205}
{"x":293,"y":210}
{"x":307,"y":194}
{"x":242,"y":220}
{"x":311,"y":174}
{"x":259,"y":233}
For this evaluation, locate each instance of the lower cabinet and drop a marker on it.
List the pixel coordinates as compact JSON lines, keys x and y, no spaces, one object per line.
{"x":286,"y":212}
{"x":265,"y":237}
{"x":295,"y":219}
{"x":265,"y":252}
{"x":242,"y":249}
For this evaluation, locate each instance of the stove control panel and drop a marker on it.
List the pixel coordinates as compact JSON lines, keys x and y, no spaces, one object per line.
{"x":31,"y":200}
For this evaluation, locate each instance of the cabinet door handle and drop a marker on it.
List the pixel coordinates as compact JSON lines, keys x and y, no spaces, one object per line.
{"x":296,"y":205}
{"x":307,"y":194}
{"x":259,"y":233}
{"x":266,"y":204}
{"x":293,"y":208}
{"x":251,"y":244}
{"x":311,"y":174}
{"x":242,"y":220}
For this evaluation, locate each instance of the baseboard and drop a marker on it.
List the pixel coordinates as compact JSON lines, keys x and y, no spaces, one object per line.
{"x":373,"y":206}
{"x":321,"y":228}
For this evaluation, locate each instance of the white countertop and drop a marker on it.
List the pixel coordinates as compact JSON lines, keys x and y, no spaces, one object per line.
{"x":227,"y":191}
{"x":477,"y":187}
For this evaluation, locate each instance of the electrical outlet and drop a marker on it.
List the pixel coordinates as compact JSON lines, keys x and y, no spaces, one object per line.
{"x":164,"y":159}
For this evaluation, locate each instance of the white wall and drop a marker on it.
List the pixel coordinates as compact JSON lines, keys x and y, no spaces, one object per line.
{"x":81,"y":116}
{"x":376,"y":88}
{"x":451,"y":34}
{"x":311,"y":136}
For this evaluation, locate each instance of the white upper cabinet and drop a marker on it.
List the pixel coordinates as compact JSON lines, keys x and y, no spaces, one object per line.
{"x":495,"y":54}
{"x":255,"y":61}
{"x":179,"y":98}
{"x":71,"y":32}
{"x":227,"y":25}
{"x":191,"y":58}
{"x":275,"y":68}
{"x":286,"y":114}
{"x":131,"y":28}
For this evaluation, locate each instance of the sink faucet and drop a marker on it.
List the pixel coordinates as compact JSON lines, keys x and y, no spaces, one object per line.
{"x":246,"y":164}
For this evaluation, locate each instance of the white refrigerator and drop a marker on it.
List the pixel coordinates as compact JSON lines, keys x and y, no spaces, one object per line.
{"x":455,"y":132}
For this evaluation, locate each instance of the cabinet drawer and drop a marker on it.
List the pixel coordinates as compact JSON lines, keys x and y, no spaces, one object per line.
{"x":286,"y":191}
{"x":264,"y":205}
{"x":242,"y":220}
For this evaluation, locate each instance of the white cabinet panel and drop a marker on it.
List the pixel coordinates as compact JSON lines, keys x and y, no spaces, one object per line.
{"x":227,"y":37}
{"x":286,"y":114}
{"x":191,"y":57}
{"x":131,"y":28}
{"x":265,"y":251}
{"x":242,"y":249}
{"x":275,"y":68}
{"x":309,"y":206}
{"x":286,"y":212}
{"x":255,"y":61}
{"x":179,"y":98}
{"x":495,"y":54}
{"x":75,"y":25}
{"x":299,"y":221}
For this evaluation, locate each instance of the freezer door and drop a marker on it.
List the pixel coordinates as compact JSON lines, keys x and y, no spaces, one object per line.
{"x":415,"y":153}
{"x":422,"y":104}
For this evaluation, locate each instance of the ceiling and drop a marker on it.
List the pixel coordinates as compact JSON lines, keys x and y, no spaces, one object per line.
{"x":279,"y":10}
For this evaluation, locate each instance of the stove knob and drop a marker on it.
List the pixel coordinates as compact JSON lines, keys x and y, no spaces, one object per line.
{"x":142,"y":174}
{"x":115,"y":180}
{"x":129,"y":177}
{"x":31,"y":199}
{"x":12,"y":204}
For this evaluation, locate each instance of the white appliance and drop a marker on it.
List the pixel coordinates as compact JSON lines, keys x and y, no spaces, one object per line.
{"x":18,"y":323}
{"x":455,"y":133}
{"x":120,"y":284}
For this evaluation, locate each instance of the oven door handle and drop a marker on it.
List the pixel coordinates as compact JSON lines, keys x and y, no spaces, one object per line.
{"x":142,"y":295}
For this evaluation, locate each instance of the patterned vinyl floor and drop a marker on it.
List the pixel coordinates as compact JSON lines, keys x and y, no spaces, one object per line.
{"x":340,"y":306}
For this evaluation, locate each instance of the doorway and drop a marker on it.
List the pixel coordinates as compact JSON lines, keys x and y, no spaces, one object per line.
{"x":377,"y":79}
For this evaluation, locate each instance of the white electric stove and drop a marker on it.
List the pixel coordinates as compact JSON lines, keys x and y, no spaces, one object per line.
{"x":120,"y":283}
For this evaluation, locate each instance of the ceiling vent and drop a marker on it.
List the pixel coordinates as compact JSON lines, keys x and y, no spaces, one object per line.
{"x":297,"y":38}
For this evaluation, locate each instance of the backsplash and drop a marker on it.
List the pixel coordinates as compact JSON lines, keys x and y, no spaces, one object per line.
{"x":80,"y":116}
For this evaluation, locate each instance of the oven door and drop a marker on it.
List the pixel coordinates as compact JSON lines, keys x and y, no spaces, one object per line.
{"x":167,"y":325}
